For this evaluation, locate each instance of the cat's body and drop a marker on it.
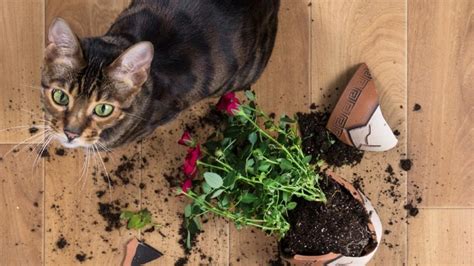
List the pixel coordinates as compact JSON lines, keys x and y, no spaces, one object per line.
{"x":201,"y":49}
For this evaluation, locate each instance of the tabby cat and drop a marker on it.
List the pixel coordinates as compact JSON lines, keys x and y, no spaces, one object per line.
{"x":158,"y":58}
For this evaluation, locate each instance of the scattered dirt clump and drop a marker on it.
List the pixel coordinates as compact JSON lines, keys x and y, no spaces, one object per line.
{"x":111,"y":214}
{"x":61,"y":242}
{"x":406,"y":164}
{"x":416,"y":107}
{"x":321,"y":144}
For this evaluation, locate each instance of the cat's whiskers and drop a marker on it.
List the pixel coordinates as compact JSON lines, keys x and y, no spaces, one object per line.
{"x":105,"y":169}
{"x":109,"y":152}
{"x":85,"y":169}
{"x":45,"y":134}
{"x":31,"y":138}
{"x":40,"y":153}
{"x":32,"y":86}
{"x":135,"y":116}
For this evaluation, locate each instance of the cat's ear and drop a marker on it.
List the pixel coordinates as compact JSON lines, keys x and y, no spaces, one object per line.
{"x":63,"y":45}
{"x":132,"y":67}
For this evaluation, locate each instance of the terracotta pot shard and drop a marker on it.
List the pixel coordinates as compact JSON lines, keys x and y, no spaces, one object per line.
{"x":375,"y":226}
{"x":139,"y":253}
{"x":357,"y":119}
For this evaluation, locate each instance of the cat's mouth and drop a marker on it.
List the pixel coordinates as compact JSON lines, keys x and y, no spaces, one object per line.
{"x":72,"y":144}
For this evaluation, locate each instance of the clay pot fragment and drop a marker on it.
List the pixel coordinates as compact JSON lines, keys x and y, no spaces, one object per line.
{"x":139,"y":253}
{"x":357,"y":119}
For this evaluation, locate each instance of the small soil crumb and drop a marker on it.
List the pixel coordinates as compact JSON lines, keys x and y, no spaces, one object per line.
{"x":33,"y":130}
{"x":181,"y":261}
{"x":111,"y":214}
{"x":412,"y":210}
{"x":60,"y":152}
{"x":321,"y":144}
{"x":406,"y":164}
{"x":81,"y":257}
{"x":45,"y":153}
{"x":61,"y":242}
{"x":340,"y":228}
{"x":100,"y":193}
{"x":396,"y":132}
{"x":416,"y":107}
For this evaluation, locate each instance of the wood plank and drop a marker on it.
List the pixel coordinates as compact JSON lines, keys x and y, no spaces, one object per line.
{"x":441,"y":80}
{"x":72,"y":204}
{"x":283,"y":89}
{"x":22,"y":207}
{"x":441,"y":237}
{"x":344,"y":34}
{"x":164,"y":156}
{"x":21,"y":54}
{"x":75,"y":213}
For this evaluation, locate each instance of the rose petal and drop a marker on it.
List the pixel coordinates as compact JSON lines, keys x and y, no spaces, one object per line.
{"x":186,"y":139}
{"x":187,"y":184}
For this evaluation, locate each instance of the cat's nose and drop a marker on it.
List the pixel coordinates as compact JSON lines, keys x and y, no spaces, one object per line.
{"x":71,"y":135}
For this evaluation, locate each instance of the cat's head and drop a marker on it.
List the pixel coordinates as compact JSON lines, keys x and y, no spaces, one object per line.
{"x":84,"y":95}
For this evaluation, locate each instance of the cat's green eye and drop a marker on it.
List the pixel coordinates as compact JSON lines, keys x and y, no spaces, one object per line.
{"x":60,"y":98}
{"x":103,"y":109}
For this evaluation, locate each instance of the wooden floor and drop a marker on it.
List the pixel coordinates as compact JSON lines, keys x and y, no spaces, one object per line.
{"x":419,"y":51}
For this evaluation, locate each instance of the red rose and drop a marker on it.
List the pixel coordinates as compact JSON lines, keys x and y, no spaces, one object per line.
{"x":228,"y":103}
{"x":190,"y":162}
{"x":186,"y":140}
{"x":187,"y":184}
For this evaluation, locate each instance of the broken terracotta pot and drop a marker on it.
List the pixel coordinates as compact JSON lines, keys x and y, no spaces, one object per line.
{"x":375,"y":226}
{"x":139,"y":253}
{"x":357,"y":119}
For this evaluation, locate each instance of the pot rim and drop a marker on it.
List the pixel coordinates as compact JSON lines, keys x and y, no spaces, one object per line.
{"x":376,"y":234}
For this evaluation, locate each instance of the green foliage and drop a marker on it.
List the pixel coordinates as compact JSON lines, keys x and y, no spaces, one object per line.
{"x":252,"y":174}
{"x":137,"y":220}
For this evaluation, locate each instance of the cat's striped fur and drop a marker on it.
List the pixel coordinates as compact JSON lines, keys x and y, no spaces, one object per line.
{"x":202,"y":48}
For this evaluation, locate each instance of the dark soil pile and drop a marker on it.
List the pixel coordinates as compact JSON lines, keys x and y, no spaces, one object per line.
{"x":339,"y":226}
{"x":406,"y":164}
{"x":61,"y":242}
{"x":321,"y":144}
{"x":111,"y":214}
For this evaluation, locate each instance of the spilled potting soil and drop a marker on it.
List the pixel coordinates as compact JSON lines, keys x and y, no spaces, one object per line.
{"x":318,"y":142}
{"x":339,"y":226}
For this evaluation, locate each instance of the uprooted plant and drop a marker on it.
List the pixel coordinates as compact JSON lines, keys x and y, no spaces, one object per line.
{"x":249,"y":172}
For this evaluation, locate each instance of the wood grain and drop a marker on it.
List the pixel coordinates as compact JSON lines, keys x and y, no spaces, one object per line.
{"x":344,"y":34}
{"x":441,"y":237}
{"x":22,"y":206}
{"x":441,"y":80}
{"x":72,"y":205}
{"x":21,"y":54}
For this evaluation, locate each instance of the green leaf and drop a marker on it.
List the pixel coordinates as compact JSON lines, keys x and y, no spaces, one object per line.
{"x":187,"y":211}
{"x":264,"y":167}
{"x":126,"y":215}
{"x":291,"y":205}
{"x":134,"y":222}
{"x":248,"y":198}
{"x":206,"y":188}
{"x":249,"y":163}
{"x":213,"y":180}
{"x":217,"y":193}
{"x":229,"y":180}
{"x":307,"y":159}
{"x":249,"y":94}
{"x":285,"y":164}
{"x":253,"y":138}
